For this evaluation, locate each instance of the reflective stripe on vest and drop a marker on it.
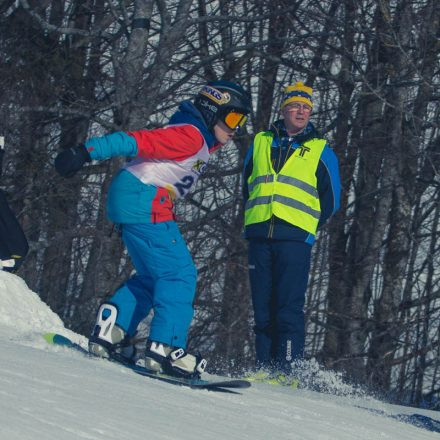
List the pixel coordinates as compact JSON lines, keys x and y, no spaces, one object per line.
{"x":292,"y":194}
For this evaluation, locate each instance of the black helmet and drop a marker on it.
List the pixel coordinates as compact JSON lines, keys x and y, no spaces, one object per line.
{"x":218,"y":98}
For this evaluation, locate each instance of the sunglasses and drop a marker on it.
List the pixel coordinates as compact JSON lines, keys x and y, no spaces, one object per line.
{"x":294,"y":107}
{"x":234,"y":120}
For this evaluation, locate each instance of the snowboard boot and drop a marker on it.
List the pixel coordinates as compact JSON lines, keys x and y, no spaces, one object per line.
{"x":272,"y":378}
{"x":108,"y":340}
{"x":163,"y":358}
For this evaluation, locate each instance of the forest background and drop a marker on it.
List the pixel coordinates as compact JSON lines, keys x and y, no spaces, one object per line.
{"x":70,"y":69}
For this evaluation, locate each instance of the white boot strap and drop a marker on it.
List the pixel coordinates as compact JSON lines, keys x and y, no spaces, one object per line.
{"x":7,"y":263}
{"x":106,"y":324}
{"x":177,"y":354}
{"x":201,"y":366}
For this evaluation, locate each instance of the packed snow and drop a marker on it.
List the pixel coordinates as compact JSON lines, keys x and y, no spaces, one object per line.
{"x":51,"y":392}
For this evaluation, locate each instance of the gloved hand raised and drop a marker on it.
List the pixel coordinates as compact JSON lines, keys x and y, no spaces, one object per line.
{"x":70,"y":161}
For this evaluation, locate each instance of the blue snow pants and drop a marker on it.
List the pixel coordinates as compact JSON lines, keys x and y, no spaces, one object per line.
{"x":165,"y":280}
{"x":278,"y":271}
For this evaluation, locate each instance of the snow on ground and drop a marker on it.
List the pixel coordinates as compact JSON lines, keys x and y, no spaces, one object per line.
{"x":49,"y":392}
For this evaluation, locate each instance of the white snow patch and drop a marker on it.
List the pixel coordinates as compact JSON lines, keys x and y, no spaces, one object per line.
{"x":49,"y":392}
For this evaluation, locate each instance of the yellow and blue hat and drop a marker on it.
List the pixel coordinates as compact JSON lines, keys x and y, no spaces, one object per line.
{"x":297,"y":93}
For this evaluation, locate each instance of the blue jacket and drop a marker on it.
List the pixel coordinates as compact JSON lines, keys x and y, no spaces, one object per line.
{"x":328,"y":184}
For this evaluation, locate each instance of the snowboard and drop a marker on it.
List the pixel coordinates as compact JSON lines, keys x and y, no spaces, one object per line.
{"x":226,"y":385}
{"x":277,"y":380}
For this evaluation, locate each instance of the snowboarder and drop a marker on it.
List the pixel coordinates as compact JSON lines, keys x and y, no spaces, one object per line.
{"x":13,"y":243}
{"x":291,"y":188}
{"x":166,"y":163}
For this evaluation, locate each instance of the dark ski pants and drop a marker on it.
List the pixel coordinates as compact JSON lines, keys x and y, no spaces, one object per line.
{"x":13,"y":243}
{"x":278,"y":271}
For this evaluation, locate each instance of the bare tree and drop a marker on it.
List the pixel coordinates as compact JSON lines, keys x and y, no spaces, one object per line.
{"x":84,"y":68}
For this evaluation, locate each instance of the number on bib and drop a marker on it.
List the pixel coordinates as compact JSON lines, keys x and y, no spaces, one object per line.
{"x":184,"y":185}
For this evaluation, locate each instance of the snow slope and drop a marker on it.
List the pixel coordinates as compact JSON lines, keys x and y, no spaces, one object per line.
{"x":49,"y":392}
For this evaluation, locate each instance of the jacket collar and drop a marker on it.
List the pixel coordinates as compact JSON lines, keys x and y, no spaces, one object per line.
{"x":279,"y":130}
{"x":187,"y":113}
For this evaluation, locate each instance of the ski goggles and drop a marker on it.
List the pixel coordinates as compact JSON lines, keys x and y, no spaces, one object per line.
{"x":234,"y":120}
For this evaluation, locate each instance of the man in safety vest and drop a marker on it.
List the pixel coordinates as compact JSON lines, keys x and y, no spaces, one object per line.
{"x":291,"y":188}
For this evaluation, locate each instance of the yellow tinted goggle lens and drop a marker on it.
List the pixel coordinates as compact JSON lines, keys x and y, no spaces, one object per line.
{"x":234,"y":120}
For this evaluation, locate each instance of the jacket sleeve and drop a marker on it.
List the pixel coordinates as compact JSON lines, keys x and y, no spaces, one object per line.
{"x":175,"y":142}
{"x":2,"y":152}
{"x":170,"y":143}
{"x":247,"y":171}
{"x":329,"y":184}
{"x":111,"y":145}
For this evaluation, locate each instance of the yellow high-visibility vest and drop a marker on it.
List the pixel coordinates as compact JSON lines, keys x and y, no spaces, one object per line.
{"x":291,"y":194}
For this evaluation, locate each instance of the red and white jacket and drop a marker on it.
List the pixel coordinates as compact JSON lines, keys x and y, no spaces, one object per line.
{"x":172,"y":158}
{"x":166,"y":163}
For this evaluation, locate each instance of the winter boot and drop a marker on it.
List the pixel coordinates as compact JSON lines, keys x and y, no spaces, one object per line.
{"x":108,"y":339}
{"x":163,"y":358}
{"x":272,"y":378}
{"x":7,"y":265}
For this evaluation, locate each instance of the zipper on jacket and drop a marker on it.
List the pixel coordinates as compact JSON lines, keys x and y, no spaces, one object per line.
{"x":272,"y":221}
{"x":271,"y":227}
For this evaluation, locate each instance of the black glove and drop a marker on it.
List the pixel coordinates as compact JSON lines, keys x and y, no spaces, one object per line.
{"x":70,"y":161}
